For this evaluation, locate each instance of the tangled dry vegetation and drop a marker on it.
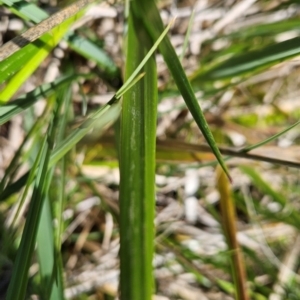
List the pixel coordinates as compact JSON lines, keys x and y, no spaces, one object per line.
{"x":191,"y":260}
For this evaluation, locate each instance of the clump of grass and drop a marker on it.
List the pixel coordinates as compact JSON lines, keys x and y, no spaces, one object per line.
{"x":46,"y":175}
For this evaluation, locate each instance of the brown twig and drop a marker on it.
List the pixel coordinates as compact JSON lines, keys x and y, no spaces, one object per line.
{"x":178,"y":145}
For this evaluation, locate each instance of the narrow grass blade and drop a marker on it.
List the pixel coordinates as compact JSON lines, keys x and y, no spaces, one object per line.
{"x":18,"y":283}
{"x":270,"y":139}
{"x":292,"y":217}
{"x":137,"y":169}
{"x":263,"y":185}
{"x":14,"y":187}
{"x":187,"y":36}
{"x":59,"y":197}
{"x":101,"y":118}
{"x":49,"y":236}
{"x":58,"y":201}
{"x":47,"y":260}
{"x":230,"y":231}
{"x":8,"y":110}
{"x":27,"y":183}
{"x":185,"y":256}
{"x":14,"y":164}
{"x":268,"y":29}
{"x":144,"y":60}
{"x":251,"y":61}
{"x":149,"y":14}
{"x":17,"y":287}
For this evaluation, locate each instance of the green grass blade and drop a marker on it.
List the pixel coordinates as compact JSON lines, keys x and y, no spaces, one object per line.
{"x":18,"y":283}
{"x":187,"y":36}
{"x":28,"y":182}
{"x":268,"y":29}
{"x":46,"y":43}
{"x":101,"y":118}
{"x":91,"y":51}
{"x":49,"y":259}
{"x":42,"y":28}
{"x":14,"y":164}
{"x":263,"y":185}
{"x":292,"y":217}
{"x":150,"y":16}
{"x":251,"y":61}
{"x":18,"y":79}
{"x":144,"y":60}
{"x":109,"y":112}
{"x":8,"y":110}
{"x":78,"y":43}
{"x":17,"y":287}
{"x":45,"y":250}
{"x":270,"y":139}
{"x":49,"y":236}
{"x":137,"y":170}
{"x":14,"y":187}
{"x":15,"y":62}
{"x":25,"y":10}
{"x":58,"y":200}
